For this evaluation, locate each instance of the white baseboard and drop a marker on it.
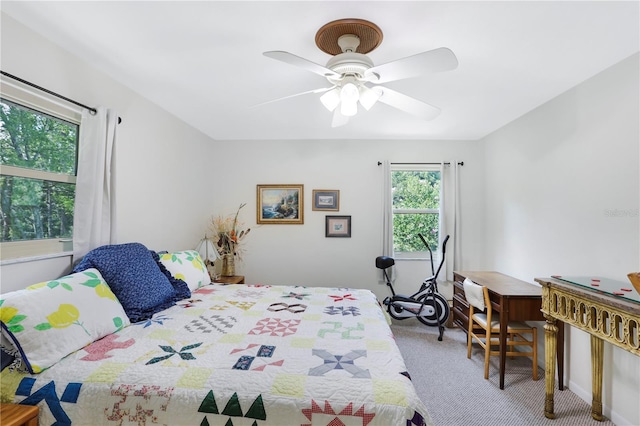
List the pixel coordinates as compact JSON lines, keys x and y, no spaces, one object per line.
{"x":585,"y":395}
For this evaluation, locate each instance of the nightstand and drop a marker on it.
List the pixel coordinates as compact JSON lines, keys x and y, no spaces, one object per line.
{"x":18,"y":415}
{"x":235,"y":279}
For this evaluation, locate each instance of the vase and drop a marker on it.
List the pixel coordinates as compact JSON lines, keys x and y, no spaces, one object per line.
{"x":228,"y":265}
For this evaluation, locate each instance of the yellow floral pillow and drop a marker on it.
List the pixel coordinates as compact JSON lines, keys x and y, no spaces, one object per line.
{"x":50,"y":320}
{"x":186,"y":266}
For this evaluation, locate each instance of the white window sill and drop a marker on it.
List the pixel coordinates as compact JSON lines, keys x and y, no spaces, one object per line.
{"x":399,"y":259}
{"x":35,"y":258}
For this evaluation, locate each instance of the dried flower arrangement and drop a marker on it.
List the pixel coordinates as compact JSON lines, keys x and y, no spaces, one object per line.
{"x":228,"y":233}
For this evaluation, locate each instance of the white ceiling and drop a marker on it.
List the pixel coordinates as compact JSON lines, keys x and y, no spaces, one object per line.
{"x":203,"y":60}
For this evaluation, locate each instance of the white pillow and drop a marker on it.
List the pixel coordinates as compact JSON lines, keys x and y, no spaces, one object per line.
{"x":187,"y":266}
{"x":49,"y":320}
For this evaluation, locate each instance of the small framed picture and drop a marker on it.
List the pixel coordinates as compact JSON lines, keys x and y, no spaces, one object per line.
{"x":338,"y":226}
{"x":280,"y":204}
{"x":326,"y":199}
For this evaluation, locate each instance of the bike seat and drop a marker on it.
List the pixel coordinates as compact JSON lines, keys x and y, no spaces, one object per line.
{"x":384,"y":262}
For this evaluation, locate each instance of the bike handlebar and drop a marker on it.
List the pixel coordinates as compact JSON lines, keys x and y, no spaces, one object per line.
{"x":444,"y":243}
{"x":424,"y":241}
{"x":433,"y":271}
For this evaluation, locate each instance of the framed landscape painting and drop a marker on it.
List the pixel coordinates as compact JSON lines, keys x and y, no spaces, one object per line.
{"x":326,"y":199}
{"x":280,"y":204}
{"x":338,"y":226}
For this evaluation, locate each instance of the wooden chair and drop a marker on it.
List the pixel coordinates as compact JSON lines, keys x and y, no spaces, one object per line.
{"x":486,"y":330}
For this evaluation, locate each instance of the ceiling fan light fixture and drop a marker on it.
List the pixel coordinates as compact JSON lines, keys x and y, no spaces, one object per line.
{"x":331,"y":99}
{"x":368,"y":96}
{"x":349,"y":93}
{"x":348,"y":109}
{"x":350,"y":71}
{"x":349,"y":96}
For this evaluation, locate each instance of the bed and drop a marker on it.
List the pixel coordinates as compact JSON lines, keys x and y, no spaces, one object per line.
{"x":229,"y":355}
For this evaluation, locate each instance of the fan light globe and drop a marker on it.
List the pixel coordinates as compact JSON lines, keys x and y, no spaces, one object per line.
{"x":349,"y":95}
{"x":349,"y":109}
{"x":331,"y":99}
{"x":368,"y":97}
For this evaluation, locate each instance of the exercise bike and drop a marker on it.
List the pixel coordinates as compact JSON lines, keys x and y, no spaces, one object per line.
{"x":427,"y":305}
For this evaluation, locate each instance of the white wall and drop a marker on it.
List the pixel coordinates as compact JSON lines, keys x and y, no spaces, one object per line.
{"x":162,"y":162}
{"x":553,"y":177}
{"x":301,"y":254}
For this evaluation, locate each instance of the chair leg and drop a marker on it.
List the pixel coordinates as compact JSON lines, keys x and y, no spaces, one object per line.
{"x":487,"y":355}
{"x":469,"y":333}
{"x":535,"y":353}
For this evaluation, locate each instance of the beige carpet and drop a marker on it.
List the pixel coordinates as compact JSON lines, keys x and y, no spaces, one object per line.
{"x":455,"y":392}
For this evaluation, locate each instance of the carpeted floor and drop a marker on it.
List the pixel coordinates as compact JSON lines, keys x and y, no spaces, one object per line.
{"x":455,"y":392}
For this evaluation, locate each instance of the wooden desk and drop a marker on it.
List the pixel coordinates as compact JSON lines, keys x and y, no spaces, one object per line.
{"x":514,"y":299}
{"x":603,"y":316}
{"x":18,"y":415}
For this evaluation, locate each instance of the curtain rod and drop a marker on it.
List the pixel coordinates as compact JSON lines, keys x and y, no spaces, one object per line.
{"x":461,"y":163}
{"x":28,"y":83}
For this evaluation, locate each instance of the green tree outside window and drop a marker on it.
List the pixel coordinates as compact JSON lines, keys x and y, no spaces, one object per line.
{"x":415,"y":203}
{"x":36,"y":206}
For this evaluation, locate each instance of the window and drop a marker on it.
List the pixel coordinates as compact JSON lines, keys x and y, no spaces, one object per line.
{"x":415,"y":193}
{"x":38,"y":163}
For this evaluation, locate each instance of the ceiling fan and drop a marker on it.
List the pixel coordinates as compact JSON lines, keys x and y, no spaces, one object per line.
{"x":353,"y":76}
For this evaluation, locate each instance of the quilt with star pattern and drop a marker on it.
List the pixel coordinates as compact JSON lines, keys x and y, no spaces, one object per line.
{"x":236,"y":355}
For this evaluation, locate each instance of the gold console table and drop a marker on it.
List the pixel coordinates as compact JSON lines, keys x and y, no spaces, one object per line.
{"x":608,"y":310}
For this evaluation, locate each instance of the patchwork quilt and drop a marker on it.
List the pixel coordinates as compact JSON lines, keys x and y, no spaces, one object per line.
{"x":236,"y":355}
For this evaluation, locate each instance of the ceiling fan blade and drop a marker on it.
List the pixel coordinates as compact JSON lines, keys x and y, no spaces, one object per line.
{"x":338,"y":119}
{"x":441,"y":59}
{"x":292,"y":59}
{"x":324,"y":89}
{"x":408,"y":104}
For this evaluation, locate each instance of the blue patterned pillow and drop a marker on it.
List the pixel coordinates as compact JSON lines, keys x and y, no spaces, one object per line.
{"x":6,"y":358}
{"x":180,"y":286}
{"x":134,"y":277}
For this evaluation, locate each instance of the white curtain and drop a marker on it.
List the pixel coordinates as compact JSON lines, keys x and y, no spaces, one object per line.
{"x":387,"y":212}
{"x":94,"y":217}
{"x":457,"y":234}
{"x":444,"y":228}
{"x":387,"y":219}
{"x":450,"y":217}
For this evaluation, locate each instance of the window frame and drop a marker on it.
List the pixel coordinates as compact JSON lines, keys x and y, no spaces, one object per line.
{"x":424,"y":254}
{"x":17,"y":251}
